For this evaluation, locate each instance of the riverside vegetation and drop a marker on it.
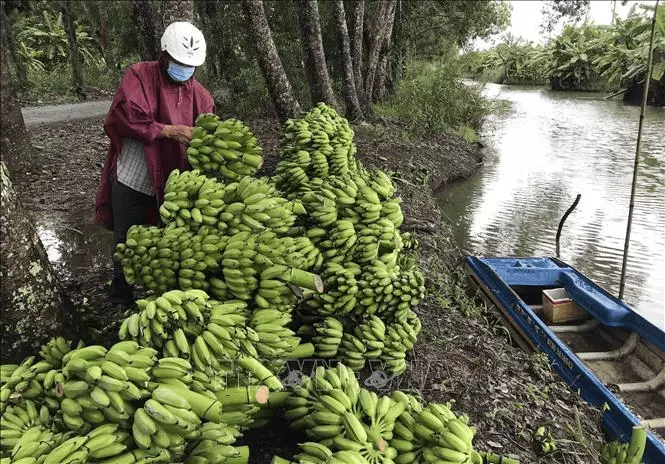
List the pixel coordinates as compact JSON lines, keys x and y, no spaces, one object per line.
{"x":585,"y":57}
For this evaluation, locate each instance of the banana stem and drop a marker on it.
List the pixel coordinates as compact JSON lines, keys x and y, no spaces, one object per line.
{"x":638,"y":441}
{"x":305,"y":279}
{"x":203,"y":406}
{"x":261,"y":372}
{"x":491,"y":458}
{"x":277,"y":399}
{"x":251,"y":394}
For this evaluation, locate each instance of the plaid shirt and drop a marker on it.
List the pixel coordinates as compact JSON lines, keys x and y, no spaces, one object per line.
{"x":132,"y":169}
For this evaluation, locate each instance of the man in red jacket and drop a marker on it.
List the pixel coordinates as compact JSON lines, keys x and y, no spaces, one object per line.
{"x":149,"y":123}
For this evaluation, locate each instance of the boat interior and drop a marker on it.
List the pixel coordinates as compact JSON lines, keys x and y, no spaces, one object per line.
{"x":631,"y":367}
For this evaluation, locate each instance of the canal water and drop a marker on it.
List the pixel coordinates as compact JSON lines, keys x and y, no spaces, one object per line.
{"x":544,"y":150}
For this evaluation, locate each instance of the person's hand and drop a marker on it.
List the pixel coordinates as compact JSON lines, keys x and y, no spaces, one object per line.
{"x":182,"y":134}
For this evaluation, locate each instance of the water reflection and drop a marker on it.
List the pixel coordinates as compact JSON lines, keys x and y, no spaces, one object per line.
{"x":545,"y":150}
{"x":71,"y":249}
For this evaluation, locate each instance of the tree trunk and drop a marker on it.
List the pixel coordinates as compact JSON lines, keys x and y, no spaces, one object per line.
{"x":9,"y":41}
{"x":353,"y":110}
{"x":315,"y":58}
{"x":144,"y":16}
{"x":33,"y":304}
{"x":357,"y":45}
{"x":74,"y":55}
{"x":381,"y":25}
{"x":279,"y":87}
{"x":176,"y":10}
{"x":104,"y":34}
{"x":14,"y":142}
{"x":379,"y":90}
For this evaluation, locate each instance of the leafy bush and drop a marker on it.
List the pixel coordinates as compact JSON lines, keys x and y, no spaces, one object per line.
{"x":507,"y":63}
{"x":432,"y":98}
{"x":43,"y":42}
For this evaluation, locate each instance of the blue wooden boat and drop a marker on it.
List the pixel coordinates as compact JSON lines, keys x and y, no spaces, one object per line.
{"x":614,"y":358}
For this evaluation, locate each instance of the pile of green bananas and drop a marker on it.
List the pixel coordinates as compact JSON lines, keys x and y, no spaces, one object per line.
{"x":226,"y":148}
{"x":319,"y":143}
{"x":124,"y":404}
{"x":389,"y":289}
{"x":615,"y":452}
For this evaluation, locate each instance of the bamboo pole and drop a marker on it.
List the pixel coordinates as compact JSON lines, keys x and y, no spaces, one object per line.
{"x":631,"y":207}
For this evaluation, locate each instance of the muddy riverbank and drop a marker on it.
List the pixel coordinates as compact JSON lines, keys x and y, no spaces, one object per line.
{"x":462,"y":354}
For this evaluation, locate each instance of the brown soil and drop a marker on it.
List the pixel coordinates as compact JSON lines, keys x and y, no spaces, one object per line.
{"x":507,"y":393}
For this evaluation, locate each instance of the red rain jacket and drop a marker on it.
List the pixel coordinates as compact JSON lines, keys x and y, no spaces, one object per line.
{"x":146,"y":101}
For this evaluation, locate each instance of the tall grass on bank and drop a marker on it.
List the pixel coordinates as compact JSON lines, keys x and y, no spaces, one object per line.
{"x":431,"y":98}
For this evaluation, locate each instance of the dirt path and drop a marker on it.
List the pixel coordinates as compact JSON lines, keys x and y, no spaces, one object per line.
{"x":51,"y":114}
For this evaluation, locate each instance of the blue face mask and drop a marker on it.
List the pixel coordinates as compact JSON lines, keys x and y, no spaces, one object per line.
{"x":179,"y":72}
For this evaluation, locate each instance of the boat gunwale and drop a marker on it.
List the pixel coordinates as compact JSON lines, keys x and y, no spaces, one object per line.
{"x":618,"y":420}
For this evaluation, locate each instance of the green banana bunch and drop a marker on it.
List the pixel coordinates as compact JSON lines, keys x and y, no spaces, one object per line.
{"x":352,"y":351}
{"x":18,"y":419}
{"x":321,"y":208}
{"x":140,"y":258}
{"x":400,"y":337}
{"x":321,"y":400}
{"x":338,"y":247}
{"x":275,"y":338}
{"x":317,"y":453}
{"x":19,"y":382}
{"x":162,"y":321}
{"x":371,"y":332}
{"x":191,"y":199}
{"x":339,"y":297}
{"x":445,"y":436}
{"x":327,"y":337}
{"x":54,"y":350}
{"x":409,"y":242}
{"x":375,"y":287}
{"x":408,"y":290}
{"x":107,"y":442}
{"x":35,"y":444}
{"x":214,"y":445}
{"x":226,"y":148}
{"x":626,"y":453}
{"x":99,"y":385}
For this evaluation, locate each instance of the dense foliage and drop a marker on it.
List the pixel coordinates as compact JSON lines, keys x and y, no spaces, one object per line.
{"x":424,"y":31}
{"x":584,"y":57}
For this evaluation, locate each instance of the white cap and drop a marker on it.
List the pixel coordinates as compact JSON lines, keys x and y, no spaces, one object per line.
{"x":185,"y":43}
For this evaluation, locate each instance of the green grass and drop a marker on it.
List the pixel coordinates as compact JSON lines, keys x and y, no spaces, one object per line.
{"x":432,"y":99}
{"x":55,"y":86}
